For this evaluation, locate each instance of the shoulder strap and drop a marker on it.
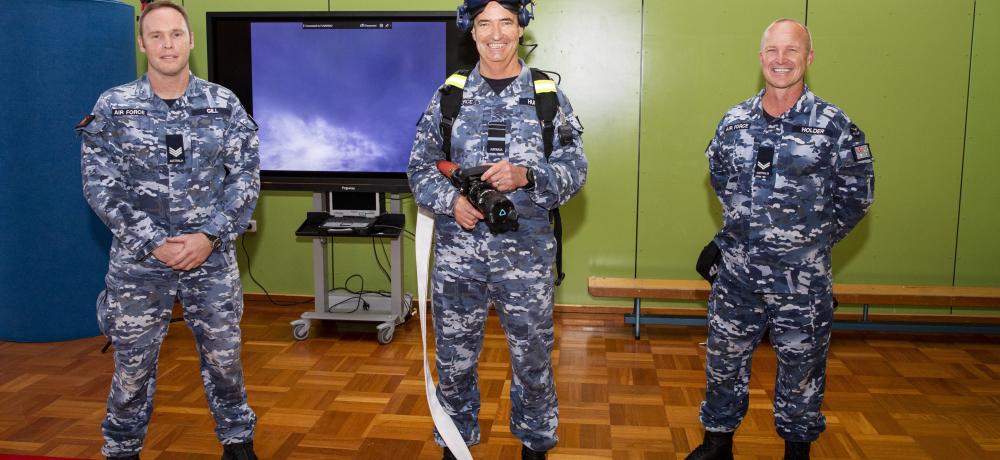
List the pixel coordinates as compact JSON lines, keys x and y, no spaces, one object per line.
{"x":546,"y":105}
{"x":451,"y":103}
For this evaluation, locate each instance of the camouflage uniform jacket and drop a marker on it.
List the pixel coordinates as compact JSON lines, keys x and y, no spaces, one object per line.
{"x":144,"y":193}
{"x":528,"y":253}
{"x":783,"y":215}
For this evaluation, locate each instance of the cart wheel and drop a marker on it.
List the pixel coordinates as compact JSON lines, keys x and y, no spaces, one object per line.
{"x":385,"y":331}
{"x":300,"y":329}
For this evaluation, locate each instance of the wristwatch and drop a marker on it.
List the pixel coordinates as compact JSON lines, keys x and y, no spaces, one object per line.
{"x":216,"y":241}
{"x":530,"y":175}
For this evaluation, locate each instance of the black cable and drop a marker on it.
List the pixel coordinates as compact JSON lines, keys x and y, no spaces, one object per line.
{"x":246,"y":253}
{"x":533,"y":47}
{"x":379,"y":261}
{"x":407,"y":232}
{"x":381,"y":242}
{"x":553,"y":72}
{"x":362,"y":291}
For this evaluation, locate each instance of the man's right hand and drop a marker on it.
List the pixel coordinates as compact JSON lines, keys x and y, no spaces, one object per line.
{"x":167,"y":251}
{"x":465,"y":214}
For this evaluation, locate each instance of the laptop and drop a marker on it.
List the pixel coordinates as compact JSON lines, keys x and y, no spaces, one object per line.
{"x":352,"y":211}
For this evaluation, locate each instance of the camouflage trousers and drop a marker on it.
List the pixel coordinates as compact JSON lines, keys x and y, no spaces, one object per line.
{"x":460,"y":307}
{"x":798,"y":327}
{"x":134,"y":311}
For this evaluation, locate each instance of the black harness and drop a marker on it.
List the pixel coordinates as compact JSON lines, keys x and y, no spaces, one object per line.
{"x":546,"y":107}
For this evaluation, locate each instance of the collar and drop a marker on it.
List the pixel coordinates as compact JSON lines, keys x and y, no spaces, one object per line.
{"x":146,"y":90}
{"x":478,"y":86}
{"x":804,"y":104}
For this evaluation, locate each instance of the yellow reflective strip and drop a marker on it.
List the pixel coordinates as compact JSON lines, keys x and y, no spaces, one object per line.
{"x":545,"y":86}
{"x":456,"y":80}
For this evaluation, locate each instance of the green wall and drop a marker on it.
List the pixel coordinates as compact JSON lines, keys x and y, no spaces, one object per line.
{"x":698,"y":61}
{"x":650,"y":80}
{"x":978,"y":252}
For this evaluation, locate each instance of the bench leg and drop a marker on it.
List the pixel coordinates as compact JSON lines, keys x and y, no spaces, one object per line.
{"x":864,"y":313}
{"x":636,"y":313}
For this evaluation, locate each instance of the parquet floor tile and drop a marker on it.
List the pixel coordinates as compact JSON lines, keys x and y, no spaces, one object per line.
{"x":340,"y":395}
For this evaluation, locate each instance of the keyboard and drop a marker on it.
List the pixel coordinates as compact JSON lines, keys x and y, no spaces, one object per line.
{"x":347,"y":222}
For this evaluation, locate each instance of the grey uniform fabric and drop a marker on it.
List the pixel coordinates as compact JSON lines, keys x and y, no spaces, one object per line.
{"x":781,"y":218}
{"x":144,"y":194}
{"x":513,"y":270}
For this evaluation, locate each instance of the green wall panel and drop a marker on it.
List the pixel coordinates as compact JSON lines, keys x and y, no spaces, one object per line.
{"x":140,"y":59}
{"x":979,"y":223}
{"x":899,"y":68}
{"x":594,"y":45}
{"x":698,"y":61}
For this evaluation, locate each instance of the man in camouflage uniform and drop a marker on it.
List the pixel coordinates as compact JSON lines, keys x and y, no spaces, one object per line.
{"x":794,"y":176}
{"x":514,"y":270}
{"x":170,"y":165}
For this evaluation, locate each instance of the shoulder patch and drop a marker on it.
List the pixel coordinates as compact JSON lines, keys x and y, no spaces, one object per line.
{"x":86,"y":121}
{"x":862,"y":153}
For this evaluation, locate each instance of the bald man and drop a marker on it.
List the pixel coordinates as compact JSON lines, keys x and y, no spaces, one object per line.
{"x":794,"y":176}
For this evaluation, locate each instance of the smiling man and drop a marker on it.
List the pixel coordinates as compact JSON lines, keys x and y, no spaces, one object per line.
{"x":497,"y":122}
{"x":170,"y":165}
{"x":794,"y":176}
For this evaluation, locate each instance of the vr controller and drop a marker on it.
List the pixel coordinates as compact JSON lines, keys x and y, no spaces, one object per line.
{"x":495,"y":206}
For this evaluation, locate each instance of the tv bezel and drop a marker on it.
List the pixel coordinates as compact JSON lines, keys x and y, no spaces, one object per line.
{"x":457,"y":43}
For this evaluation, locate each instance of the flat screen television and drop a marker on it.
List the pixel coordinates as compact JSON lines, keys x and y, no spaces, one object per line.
{"x":336,"y":95}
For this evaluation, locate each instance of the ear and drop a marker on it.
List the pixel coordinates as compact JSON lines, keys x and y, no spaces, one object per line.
{"x":191,"y":35}
{"x":138,"y":40}
{"x":809,"y":57}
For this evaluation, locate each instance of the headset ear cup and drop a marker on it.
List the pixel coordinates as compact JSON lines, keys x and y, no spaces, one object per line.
{"x":526,"y":14}
{"x":462,"y":20}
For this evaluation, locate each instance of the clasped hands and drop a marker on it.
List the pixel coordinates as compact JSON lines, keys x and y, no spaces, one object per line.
{"x":184,"y":252}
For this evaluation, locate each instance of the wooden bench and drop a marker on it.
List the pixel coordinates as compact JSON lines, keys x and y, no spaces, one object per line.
{"x":861,"y":294}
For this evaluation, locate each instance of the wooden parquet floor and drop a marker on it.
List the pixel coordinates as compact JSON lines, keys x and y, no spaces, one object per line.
{"x":340,"y":395}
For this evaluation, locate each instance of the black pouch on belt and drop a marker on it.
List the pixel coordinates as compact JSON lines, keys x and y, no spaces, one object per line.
{"x":708,"y":261}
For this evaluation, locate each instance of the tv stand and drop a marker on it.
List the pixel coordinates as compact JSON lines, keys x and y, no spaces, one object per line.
{"x":388,"y":312}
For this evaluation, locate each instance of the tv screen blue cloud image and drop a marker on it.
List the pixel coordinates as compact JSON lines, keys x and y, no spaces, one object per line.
{"x":337,"y":98}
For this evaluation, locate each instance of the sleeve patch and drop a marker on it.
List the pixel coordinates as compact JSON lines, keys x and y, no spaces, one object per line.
{"x":862,"y":153}
{"x":85,"y":121}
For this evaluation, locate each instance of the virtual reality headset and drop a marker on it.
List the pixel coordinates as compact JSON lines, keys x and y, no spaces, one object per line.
{"x":470,"y":8}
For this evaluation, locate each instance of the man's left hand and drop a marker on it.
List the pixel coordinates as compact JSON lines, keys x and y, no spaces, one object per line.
{"x":506,"y":176}
{"x":195,"y":248}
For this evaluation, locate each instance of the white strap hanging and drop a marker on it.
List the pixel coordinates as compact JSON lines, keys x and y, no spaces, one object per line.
{"x":442,"y":421}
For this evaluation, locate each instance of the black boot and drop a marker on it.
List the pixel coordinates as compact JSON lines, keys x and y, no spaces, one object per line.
{"x":795,"y":450}
{"x":715,"y":446}
{"x":448,"y":455}
{"x":528,"y":454}
{"x":239,"y":451}
{"x":130,"y":457}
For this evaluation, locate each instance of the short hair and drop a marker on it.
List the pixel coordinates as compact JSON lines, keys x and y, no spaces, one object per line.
{"x":809,"y":35}
{"x":157,"y":4}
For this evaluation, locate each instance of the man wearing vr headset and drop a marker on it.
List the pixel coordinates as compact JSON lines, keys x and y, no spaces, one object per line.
{"x":794,"y":176}
{"x":497,"y":125}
